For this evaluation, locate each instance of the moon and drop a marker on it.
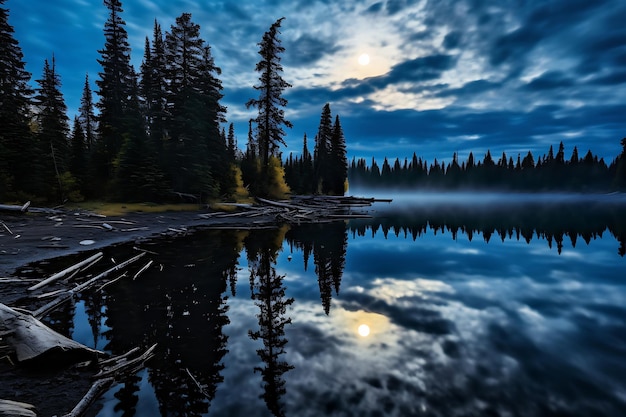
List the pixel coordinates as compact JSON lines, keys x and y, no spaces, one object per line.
{"x":364,"y":59}
{"x":364,"y":330}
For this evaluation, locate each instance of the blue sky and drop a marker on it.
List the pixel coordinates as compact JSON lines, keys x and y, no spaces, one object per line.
{"x":444,"y":76}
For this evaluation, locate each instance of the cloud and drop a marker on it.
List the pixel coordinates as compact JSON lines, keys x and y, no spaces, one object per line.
{"x":306,"y":50}
{"x":549,"y":81}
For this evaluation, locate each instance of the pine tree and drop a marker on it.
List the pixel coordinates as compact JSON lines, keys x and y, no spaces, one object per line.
{"x":116,"y":90}
{"x":307,"y":169}
{"x":250,"y":169}
{"x":338,"y":160}
{"x":220,"y":160}
{"x":78,"y":152}
{"x":322,"y":151}
{"x":137,"y":174}
{"x":53,"y":132}
{"x":232,"y":142}
{"x":270,"y":103}
{"x":87,"y":117}
{"x":17,"y":150}
{"x":153,"y":93}
{"x":620,"y":172}
{"x":200,"y":163}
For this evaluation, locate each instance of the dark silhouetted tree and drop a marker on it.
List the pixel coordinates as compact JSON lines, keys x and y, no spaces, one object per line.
{"x":322,"y":151}
{"x":116,"y":89}
{"x":52,"y":132}
{"x":194,"y":110}
{"x":86,"y":116}
{"x":17,"y":150}
{"x":78,"y":153}
{"x":620,"y":168}
{"x":338,"y":160}
{"x":271,"y":103}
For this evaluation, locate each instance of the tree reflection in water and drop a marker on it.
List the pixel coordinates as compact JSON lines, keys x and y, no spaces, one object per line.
{"x":183,"y":309}
{"x":553,"y":222}
{"x":328,"y":242}
{"x":268,"y":292}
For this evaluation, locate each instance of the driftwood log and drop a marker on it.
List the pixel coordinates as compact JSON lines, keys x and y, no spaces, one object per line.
{"x":29,"y":338}
{"x":302,"y":209}
{"x":13,"y":208}
{"x":67,"y":271}
{"x":10,"y":408}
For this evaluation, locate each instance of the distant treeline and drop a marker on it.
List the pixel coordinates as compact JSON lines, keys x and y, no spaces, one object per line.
{"x":546,"y":173}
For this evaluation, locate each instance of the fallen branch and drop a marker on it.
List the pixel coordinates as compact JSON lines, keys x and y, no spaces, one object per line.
{"x":6,"y":227}
{"x":113,"y":281}
{"x":94,"y":393}
{"x":40,"y":312}
{"x":66,"y":271}
{"x":145,"y":267}
{"x":124,"y":364}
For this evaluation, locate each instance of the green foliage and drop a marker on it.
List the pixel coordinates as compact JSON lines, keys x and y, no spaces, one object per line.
{"x":71,"y":187}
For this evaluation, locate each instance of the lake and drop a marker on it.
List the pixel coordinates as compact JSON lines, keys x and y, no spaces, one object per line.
{"x":434,"y":307}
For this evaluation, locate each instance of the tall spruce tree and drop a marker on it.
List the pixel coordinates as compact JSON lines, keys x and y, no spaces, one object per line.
{"x":232,"y":142}
{"x":338,"y":160}
{"x":210,"y":90}
{"x":116,"y":90}
{"x":619,"y":181}
{"x":322,"y":151}
{"x":52,"y":132}
{"x":306,"y":168}
{"x":194,"y":111}
{"x":17,"y":150}
{"x":89,"y":126}
{"x":87,"y":117}
{"x":153,"y":91}
{"x":78,"y":152}
{"x":271,"y":117}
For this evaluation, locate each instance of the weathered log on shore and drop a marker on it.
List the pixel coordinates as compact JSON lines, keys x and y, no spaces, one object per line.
{"x":29,"y":338}
{"x":302,"y":209}
{"x":14,"y":208}
{"x":10,"y":408}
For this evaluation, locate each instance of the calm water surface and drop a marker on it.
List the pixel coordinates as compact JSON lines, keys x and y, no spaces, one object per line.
{"x":438,"y":310}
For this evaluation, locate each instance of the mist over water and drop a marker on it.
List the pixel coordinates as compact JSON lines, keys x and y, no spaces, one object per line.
{"x":493,"y":199}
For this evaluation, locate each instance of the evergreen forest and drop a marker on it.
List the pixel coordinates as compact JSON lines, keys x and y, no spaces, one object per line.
{"x":156,"y":134}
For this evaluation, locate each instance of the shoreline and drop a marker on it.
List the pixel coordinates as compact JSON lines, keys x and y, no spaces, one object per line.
{"x":35,"y":237}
